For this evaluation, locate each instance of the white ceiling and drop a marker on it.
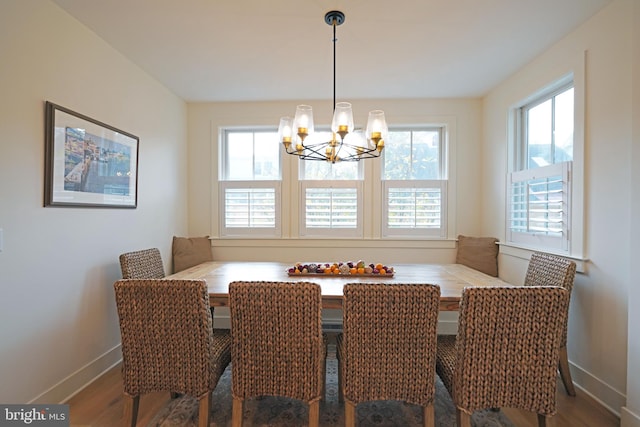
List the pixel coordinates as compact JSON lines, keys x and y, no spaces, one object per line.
{"x":253,"y":50}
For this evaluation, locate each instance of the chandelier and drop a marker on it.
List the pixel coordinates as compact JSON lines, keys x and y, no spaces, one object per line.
{"x":346,"y":144}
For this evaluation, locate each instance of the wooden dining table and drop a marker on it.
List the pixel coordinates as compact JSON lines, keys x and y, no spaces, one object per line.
{"x":452,"y":279}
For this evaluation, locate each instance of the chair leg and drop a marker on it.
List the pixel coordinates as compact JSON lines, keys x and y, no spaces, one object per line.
{"x":204,"y":410}
{"x":542,"y":420}
{"x":130,"y":414}
{"x":314,"y":413}
{"x":464,"y":419}
{"x":340,"y":391}
{"x":428,"y":416}
{"x":325,"y":344}
{"x":236,"y":412}
{"x":324,"y":379}
{"x":349,"y":414}
{"x":565,"y":373}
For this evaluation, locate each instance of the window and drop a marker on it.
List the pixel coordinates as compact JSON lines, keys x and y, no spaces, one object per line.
{"x":540,"y":186}
{"x":548,"y":127}
{"x":405,"y":194}
{"x":330,"y":198}
{"x":414,"y":183}
{"x":250,"y":184}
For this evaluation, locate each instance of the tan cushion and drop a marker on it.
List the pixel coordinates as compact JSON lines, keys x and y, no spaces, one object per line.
{"x":190,"y":251}
{"x":480,"y":253}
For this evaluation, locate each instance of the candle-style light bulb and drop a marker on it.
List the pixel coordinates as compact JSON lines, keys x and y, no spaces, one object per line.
{"x":285,"y":132}
{"x":377,"y":129}
{"x":303,"y":121}
{"x":342,"y":122}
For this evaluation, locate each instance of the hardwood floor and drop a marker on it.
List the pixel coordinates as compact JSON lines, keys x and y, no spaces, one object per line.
{"x":101,"y":404}
{"x":581,"y":410}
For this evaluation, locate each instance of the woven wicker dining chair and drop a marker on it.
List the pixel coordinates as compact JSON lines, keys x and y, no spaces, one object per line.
{"x":278,"y":347}
{"x":388,"y":347}
{"x":168,"y":342}
{"x":144,"y":264}
{"x":506,"y":350}
{"x":552,"y":270}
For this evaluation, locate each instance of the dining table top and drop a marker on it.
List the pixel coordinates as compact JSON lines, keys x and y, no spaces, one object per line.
{"x":452,"y":279}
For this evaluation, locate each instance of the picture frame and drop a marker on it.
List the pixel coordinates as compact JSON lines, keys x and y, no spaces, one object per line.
{"x":88,"y":163}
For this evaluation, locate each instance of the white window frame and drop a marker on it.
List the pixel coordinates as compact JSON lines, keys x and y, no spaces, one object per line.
{"x":574,"y":245}
{"x":441,"y":184}
{"x":522,"y":119}
{"x":304,"y":184}
{"x":224,"y":185}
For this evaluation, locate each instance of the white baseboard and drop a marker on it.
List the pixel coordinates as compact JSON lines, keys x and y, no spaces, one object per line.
{"x":77,"y":381}
{"x":612,"y":399}
{"x":628,"y":418}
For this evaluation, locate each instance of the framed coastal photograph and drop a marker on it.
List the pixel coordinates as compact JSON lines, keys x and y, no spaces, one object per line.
{"x":88,"y":163}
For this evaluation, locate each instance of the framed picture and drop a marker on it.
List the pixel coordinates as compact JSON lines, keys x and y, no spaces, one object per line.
{"x":88,"y":163}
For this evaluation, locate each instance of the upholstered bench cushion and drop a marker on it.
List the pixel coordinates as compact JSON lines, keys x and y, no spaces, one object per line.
{"x":190,"y":251}
{"x":479,"y":253}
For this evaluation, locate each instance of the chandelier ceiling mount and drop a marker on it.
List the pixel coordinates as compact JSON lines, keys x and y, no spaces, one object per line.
{"x":336,"y":15}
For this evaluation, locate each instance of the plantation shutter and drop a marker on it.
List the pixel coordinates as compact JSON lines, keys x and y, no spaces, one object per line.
{"x":414,"y":207}
{"x":331,"y":210}
{"x":539,"y":201}
{"x":250,"y":209}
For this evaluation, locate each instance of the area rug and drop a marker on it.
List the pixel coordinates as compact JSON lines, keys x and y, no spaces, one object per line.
{"x":282,"y":412}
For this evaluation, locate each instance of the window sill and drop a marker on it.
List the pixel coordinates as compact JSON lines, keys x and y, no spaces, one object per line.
{"x":524,"y":252}
{"x":344,"y":243}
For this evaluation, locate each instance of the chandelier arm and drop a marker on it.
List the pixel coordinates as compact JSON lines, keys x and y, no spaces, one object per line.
{"x":313,"y":149}
{"x":361,"y":149}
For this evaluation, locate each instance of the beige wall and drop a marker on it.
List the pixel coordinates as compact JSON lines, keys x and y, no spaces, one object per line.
{"x":631,"y":412}
{"x":598,"y":317}
{"x":57,"y":268}
{"x":58,"y":265}
{"x":205,"y":120}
